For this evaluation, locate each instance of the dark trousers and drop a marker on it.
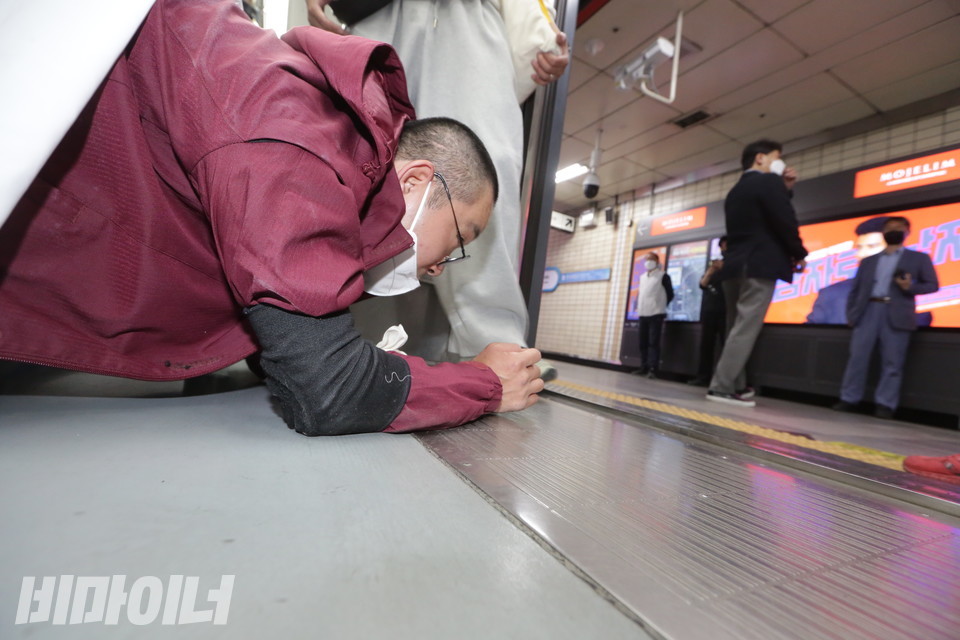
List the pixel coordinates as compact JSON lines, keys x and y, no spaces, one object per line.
{"x":874,"y":328}
{"x":650,"y":329}
{"x":713,"y":327}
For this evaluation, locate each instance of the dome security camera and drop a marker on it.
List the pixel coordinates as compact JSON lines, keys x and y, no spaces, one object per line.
{"x":591,"y":185}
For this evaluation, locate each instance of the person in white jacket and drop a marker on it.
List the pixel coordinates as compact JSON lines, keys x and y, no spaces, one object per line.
{"x":458,"y":64}
{"x":656,"y":292}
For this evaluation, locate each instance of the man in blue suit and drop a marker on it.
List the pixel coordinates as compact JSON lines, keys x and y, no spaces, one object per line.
{"x":830,"y":307}
{"x":882,"y":308}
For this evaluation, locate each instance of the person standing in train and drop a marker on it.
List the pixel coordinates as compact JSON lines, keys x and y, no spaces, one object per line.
{"x":457,"y":60}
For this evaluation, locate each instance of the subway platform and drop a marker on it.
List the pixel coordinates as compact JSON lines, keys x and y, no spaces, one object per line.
{"x":617,"y":507}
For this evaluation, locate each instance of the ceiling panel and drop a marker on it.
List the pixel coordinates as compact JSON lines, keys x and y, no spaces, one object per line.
{"x":927,"y":49}
{"x":624,"y":25}
{"x":639,"y":116}
{"x":862,"y":42}
{"x":762,"y":54}
{"x":815,"y":121}
{"x":930,"y":13}
{"x":592,"y":101}
{"x":726,"y":152}
{"x":772,"y":10}
{"x":917,"y":87}
{"x":644,"y":179}
{"x":787,"y":104}
{"x":567,"y":195}
{"x":580,"y":72}
{"x":683,"y":144}
{"x":767,"y":86}
{"x":618,"y":171}
{"x":573,"y":150}
{"x":700,"y":27}
{"x":636,"y":143}
{"x":822,"y":23}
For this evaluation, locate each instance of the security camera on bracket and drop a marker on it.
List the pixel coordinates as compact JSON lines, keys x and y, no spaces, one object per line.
{"x":591,"y":182}
{"x":639,"y":72}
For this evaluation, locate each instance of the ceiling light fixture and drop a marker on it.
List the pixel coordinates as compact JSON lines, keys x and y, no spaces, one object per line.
{"x":571,"y":172}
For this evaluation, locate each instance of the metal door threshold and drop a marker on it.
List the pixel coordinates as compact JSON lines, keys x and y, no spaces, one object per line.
{"x":698,"y":541}
{"x":917,"y":490}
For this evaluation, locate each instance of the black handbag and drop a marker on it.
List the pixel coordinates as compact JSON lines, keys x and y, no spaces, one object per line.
{"x":353,"y":11}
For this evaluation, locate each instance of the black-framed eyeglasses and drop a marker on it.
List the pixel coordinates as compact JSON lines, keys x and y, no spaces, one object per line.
{"x":463,"y":252}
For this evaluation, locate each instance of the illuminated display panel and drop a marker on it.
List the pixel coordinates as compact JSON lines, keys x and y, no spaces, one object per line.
{"x":919,"y":172}
{"x":636,"y":271}
{"x":683,"y":221}
{"x":817,"y":295}
{"x":688,"y":261}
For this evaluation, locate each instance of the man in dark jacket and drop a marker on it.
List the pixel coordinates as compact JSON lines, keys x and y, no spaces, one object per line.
{"x":226,"y":190}
{"x":763,"y":246}
{"x":713,"y":317}
{"x":882,"y":308}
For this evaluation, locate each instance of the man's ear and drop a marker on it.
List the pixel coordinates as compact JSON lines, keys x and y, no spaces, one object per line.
{"x":413,"y":173}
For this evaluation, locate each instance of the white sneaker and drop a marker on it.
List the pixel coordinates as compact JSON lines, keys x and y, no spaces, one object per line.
{"x":730,"y":398}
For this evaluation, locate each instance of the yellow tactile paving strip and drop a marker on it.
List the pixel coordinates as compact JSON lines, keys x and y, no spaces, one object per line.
{"x":844,"y":449}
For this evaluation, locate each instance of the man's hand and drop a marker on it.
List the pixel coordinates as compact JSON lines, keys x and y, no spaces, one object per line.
{"x":519,"y":376}
{"x":904,"y":281}
{"x":318,"y":18}
{"x":790,"y":177}
{"x":550,"y":66}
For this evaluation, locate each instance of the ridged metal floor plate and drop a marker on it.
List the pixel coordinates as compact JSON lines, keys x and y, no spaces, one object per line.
{"x":704,"y":543}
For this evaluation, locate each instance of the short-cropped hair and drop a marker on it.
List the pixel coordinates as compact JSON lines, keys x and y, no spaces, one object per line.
{"x":899,"y":219}
{"x":873,"y":225}
{"x":760,"y":146}
{"x":456,"y":153}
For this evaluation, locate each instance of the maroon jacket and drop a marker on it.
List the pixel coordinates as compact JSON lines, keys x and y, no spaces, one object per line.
{"x":161,"y":215}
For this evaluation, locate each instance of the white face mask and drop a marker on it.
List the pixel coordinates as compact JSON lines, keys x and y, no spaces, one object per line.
{"x":650,"y":265}
{"x":777,"y":166}
{"x":398,"y":274}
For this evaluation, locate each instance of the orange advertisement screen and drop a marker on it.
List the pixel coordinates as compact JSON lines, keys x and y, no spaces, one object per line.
{"x":919,"y":172}
{"x":637,"y":270}
{"x":691,"y":219}
{"x":819,"y":294}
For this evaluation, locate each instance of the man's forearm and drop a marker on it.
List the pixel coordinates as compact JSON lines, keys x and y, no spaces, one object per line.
{"x":446,"y":395}
{"x":327,"y":379}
